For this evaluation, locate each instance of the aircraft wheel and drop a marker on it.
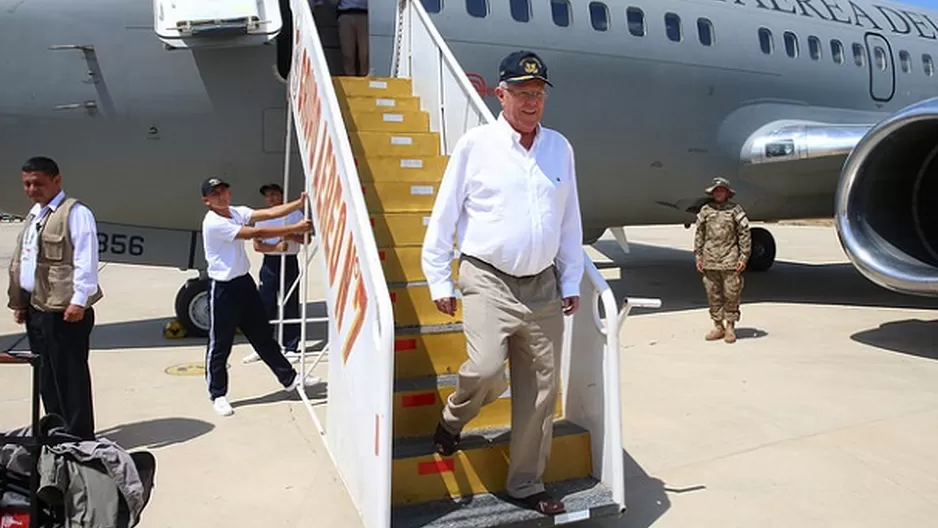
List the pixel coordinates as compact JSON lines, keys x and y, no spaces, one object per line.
{"x":192,"y":309}
{"x":763,"y":250}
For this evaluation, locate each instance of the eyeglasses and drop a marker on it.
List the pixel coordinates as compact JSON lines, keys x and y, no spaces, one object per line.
{"x":528,"y":95}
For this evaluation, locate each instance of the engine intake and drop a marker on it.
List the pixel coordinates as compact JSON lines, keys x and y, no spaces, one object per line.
{"x":887,"y":202}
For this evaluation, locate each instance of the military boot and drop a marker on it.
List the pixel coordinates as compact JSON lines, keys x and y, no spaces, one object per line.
{"x":730,"y":332}
{"x":716,"y":333}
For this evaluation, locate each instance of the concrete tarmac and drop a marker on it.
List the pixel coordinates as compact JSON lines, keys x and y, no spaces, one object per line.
{"x":824,"y":413}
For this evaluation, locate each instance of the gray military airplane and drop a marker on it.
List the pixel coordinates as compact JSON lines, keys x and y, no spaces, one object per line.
{"x":811,"y":107}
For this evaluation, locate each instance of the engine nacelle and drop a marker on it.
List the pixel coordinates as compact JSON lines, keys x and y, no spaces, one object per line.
{"x":886,"y":210}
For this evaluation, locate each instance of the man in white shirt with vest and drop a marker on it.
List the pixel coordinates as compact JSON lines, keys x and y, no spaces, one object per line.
{"x":274,"y":249}
{"x":509,"y":198}
{"x":53,"y":285}
{"x":234,"y":301}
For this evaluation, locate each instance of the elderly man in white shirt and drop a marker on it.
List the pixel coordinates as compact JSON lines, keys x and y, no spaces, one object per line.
{"x":509,"y":196}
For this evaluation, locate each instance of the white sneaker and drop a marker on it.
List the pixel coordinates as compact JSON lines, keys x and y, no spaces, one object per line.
{"x":222,"y":406}
{"x":310,"y":381}
{"x":250,"y":358}
{"x":292,"y":357}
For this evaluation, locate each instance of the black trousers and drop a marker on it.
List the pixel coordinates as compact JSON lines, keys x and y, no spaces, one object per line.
{"x":66,"y":379}
{"x":237,"y":304}
{"x":270,"y":287}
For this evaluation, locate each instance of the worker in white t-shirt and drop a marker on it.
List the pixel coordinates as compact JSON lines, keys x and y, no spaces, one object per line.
{"x":276,"y":249}
{"x":234,"y":301}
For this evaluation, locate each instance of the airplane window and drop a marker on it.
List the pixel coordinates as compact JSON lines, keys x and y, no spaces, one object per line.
{"x":858,"y":53}
{"x":705,"y":31}
{"x":837,"y":51}
{"x":765,"y":40}
{"x":636,"y":20}
{"x":906,"y":60}
{"x":599,"y":16}
{"x":520,"y":10}
{"x":791,"y":44}
{"x":879,"y":55}
{"x":814,"y":47}
{"x":928,"y":64}
{"x":433,"y":6}
{"x":560,"y":11}
{"x":477,"y":8}
{"x":672,"y":24}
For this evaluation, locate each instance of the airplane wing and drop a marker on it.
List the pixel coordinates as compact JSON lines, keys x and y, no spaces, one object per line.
{"x":781,"y":141}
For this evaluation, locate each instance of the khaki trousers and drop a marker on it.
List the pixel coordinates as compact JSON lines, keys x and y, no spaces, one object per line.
{"x":521,"y":319}
{"x":353,"y":40}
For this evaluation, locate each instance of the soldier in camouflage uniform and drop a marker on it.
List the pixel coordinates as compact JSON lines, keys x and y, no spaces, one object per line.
{"x":722,"y":246}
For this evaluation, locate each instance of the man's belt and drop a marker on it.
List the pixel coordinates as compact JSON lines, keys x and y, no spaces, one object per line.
{"x":489,"y":265}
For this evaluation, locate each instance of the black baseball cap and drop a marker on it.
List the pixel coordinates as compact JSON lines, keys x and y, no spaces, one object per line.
{"x":522,"y":66}
{"x":210,"y":184}
{"x":271,"y":187}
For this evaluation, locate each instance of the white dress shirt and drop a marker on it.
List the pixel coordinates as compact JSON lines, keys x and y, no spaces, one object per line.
{"x":514,"y":208}
{"x":83,"y":231}
{"x":225,"y":254}
{"x":292,"y":247}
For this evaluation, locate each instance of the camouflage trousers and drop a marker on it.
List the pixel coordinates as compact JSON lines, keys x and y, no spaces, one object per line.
{"x":724,"y":289}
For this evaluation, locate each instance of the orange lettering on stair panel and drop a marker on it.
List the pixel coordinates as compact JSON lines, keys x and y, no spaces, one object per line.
{"x":327,"y":192}
{"x":360,"y":305}
{"x":341,"y":295}
{"x":333,"y":261}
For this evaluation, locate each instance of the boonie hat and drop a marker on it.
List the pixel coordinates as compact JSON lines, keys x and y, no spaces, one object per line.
{"x":720,"y":182}
{"x":522,"y":66}
{"x":210,"y":184}
{"x":271,"y":187}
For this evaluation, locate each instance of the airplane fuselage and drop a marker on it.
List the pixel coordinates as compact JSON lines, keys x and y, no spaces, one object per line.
{"x":136,"y":127}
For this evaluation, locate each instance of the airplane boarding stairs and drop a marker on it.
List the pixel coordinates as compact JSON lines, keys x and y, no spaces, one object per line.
{"x":374,"y":151}
{"x":400,"y":166}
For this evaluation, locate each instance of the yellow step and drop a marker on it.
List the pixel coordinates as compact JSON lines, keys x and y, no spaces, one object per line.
{"x":401,"y":169}
{"x":417,"y":412}
{"x":399,"y":229}
{"x":413,"y":307}
{"x":347,"y":86}
{"x":400,"y":197}
{"x":428,"y":354}
{"x":403,"y":264}
{"x":395,"y":144}
{"x":379,"y":104}
{"x":389,"y":121}
{"x":479,"y":468}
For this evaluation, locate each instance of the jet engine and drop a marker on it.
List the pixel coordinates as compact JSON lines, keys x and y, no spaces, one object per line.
{"x":886,"y":210}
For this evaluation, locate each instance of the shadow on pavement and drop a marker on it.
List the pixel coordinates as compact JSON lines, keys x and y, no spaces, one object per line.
{"x":914,"y":337}
{"x":154,"y":434}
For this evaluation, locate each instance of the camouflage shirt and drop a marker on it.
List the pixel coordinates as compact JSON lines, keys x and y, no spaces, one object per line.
{"x":722,"y":239}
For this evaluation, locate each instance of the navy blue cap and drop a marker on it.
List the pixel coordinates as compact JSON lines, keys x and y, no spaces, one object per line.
{"x":522,"y":66}
{"x":210,"y":184}
{"x":271,"y":187}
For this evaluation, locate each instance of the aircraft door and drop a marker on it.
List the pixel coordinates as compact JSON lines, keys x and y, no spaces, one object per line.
{"x":882,"y":67}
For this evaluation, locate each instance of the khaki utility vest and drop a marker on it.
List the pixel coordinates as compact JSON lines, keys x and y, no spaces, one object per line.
{"x":54,"y":265}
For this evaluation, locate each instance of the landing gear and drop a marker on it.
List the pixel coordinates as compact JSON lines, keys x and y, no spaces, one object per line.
{"x":763,"y":250}
{"x":192,"y":307}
